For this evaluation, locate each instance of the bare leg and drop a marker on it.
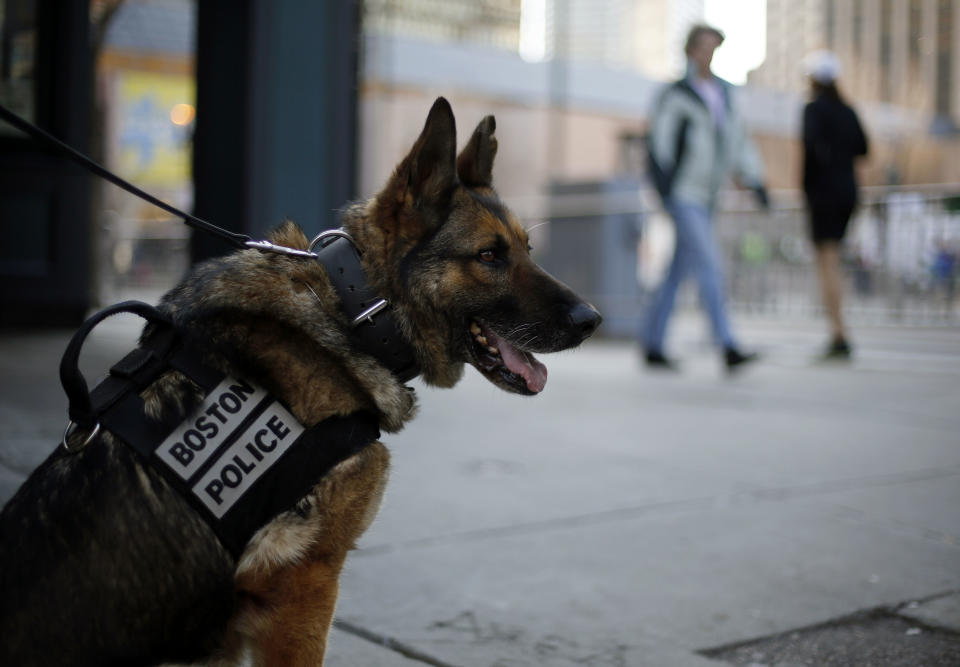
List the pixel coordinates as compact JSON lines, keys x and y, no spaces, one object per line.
{"x":831,"y":286}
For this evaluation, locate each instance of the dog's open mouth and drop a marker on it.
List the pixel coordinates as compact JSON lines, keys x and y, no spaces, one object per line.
{"x":507,"y":366}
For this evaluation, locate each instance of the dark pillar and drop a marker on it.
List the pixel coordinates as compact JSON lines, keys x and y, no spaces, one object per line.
{"x":276,"y":115}
{"x":44,"y":199}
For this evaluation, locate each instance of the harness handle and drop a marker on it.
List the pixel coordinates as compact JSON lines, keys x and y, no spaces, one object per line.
{"x":81,"y":410}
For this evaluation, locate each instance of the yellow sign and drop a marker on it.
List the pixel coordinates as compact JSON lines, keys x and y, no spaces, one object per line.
{"x":154,"y":127}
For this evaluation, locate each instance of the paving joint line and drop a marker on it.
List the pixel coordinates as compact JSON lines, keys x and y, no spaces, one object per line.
{"x":758,"y":495}
{"x":852,"y":484}
{"x":913,"y":529}
{"x":389,"y":643}
{"x":19,"y":470}
{"x":888,"y":610}
{"x":594,"y":518}
{"x":747,"y":400}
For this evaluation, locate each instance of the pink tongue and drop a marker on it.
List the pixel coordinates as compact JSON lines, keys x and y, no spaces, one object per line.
{"x":521,"y":363}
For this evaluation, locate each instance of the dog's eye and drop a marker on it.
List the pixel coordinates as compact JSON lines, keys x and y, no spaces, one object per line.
{"x":488,"y":256}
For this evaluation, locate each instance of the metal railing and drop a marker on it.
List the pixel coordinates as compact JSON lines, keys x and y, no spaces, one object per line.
{"x":612,"y":241}
{"x":901,"y":256}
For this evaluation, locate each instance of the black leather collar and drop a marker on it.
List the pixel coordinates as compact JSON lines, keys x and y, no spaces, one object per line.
{"x":374,"y":329}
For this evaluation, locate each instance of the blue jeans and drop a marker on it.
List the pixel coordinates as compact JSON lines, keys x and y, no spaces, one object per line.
{"x":696,"y":251}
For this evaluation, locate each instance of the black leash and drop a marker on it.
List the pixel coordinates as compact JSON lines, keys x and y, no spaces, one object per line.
{"x":373,"y":327}
{"x":236,"y":240}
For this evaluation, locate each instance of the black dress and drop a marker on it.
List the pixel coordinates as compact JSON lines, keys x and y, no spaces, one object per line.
{"x":832,"y":138}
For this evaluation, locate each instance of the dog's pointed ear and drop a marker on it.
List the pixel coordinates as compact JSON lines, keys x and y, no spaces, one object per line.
{"x":475,"y":163}
{"x":428,"y":172}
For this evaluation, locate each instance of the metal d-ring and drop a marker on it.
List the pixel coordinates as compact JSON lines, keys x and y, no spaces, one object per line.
{"x":66,"y":434}
{"x":330,"y":234}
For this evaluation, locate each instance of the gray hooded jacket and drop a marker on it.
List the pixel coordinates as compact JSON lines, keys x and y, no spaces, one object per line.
{"x":690,"y":156}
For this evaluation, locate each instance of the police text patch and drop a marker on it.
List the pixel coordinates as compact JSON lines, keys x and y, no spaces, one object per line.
{"x":228,"y":442}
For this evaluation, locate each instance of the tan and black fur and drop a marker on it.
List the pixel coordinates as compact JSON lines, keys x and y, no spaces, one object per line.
{"x":102,"y":563}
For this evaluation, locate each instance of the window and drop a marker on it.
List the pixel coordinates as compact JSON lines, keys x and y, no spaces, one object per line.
{"x":18,"y":38}
{"x":915,"y":26}
{"x":830,"y":23}
{"x":857,"y":25}
{"x":944,"y":88}
{"x":886,"y":18}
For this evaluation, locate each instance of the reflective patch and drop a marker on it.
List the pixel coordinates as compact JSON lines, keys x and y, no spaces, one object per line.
{"x":228,"y":442}
{"x":252,"y":454}
{"x":195,"y":441}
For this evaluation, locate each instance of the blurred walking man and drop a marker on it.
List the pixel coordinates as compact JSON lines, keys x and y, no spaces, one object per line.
{"x":696,"y":139}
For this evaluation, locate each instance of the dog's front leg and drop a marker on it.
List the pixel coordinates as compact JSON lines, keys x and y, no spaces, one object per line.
{"x":288,"y":614}
{"x":288,"y":577}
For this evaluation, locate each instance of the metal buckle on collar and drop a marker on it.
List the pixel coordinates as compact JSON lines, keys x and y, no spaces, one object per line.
{"x":66,"y":434}
{"x":367,"y":315}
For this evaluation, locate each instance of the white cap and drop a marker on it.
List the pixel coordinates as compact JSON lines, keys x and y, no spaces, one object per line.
{"x":822,"y":66}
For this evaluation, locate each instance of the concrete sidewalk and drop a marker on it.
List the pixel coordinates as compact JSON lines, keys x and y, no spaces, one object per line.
{"x":631,"y":518}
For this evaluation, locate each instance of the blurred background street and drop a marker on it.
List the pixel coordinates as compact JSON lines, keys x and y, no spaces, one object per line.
{"x":796,"y":513}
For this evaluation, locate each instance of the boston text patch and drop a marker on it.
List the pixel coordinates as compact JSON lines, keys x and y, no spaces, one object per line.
{"x":228,"y":442}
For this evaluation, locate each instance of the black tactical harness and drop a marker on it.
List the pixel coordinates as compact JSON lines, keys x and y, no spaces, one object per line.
{"x":240,"y":458}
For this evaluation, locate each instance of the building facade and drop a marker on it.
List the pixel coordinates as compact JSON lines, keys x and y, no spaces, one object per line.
{"x":643,"y":35}
{"x":563,"y":118}
{"x":658,"y":31}
{"x":904,"y":53}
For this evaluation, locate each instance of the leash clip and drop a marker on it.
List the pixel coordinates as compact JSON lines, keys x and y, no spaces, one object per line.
{"x":322,"y":238}
{"x":70,"y":427}
{"x":266,"y":246}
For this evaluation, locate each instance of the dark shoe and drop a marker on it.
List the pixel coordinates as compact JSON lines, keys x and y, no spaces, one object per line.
{"x":657,"y":361}
{"x":735,"y":359}
{"x":838,"y":350}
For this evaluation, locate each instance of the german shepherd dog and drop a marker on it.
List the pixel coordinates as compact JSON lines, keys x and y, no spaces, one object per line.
{"x":103,"y":563}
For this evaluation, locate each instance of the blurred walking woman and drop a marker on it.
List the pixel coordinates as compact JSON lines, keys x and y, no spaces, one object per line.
{"x":832,"y":138}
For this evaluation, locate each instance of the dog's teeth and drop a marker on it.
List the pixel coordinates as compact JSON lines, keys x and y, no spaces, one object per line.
{"x":493,"y":350}
{"x":474,"y":328}
{"x":482,"y":340}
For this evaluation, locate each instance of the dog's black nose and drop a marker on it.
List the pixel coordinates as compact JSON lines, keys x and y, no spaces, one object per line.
{"x":584,"y":319}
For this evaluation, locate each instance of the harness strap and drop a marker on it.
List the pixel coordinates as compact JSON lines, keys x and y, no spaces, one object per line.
{"x":240,"y":458}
